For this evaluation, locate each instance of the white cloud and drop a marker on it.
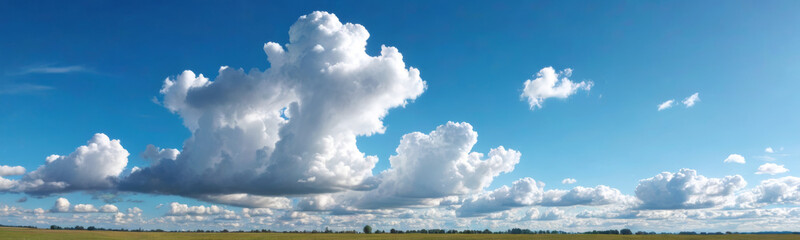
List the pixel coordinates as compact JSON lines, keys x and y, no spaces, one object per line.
{"x":256,"y":212}
{"x":691,"y":100}
{"x":320,"y":202}
{"x":550,"y":214}
{"x":569,"y":181}
{"x":11,"y":171}
{"x":61,"y":205}
{"x":548,"y":85}
{"x":177,"y":209}
{"x":785,"y":190}
{"x":523,"y":192}
{"x":686,"y":189}
{"x":437,"y":165}
{"x":666,"y":104}
{"x":156,"y":154}
{"x":131,"y":215}
{"x":84,"y":208}
{"x":599,"y":195}
{"x":771,"y":169}
{"x":293,"y":126}
{"x":528,"y":192}
{"x":94,"y":166}
{"x":734,"y":158}
{"x":108,"y":208}
{"x":769,"y":150}
{"x":6,"y":184}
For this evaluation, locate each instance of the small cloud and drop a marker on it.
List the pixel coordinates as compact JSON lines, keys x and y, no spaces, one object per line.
{"x":771,"y":169}
{"x":769,"y":150}
{"x":568,"y":181}
{"x":691,"y":100}
{"x":666,"y":104}
{"x":22,"y":199}
{"x":734,"y":158}
{"x":551,"y":84}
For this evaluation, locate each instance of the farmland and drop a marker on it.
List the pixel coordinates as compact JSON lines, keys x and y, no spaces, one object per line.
{"x":27,"y":233}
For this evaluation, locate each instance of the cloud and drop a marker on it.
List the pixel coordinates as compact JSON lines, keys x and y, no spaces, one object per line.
{"x":293,"y":126}
{"x":22,"y":88}
{"x":156,"y":154}
{"x":84,"y":208}
{"x":666,"y":104}
{"x":769,"y":150}
{"x":785,"y":190}
{"x":771,"y":169}
{"x":734,"y":158}
{"x":686,"y":189}
{"x":691,"y":100}
{"x":256,"y":212}
{"x":569,"y":181}
{"x":108,"y":208}
{"x":599,"y":195}
{"x":61,"y":205}
{"x":6,"y":184}
{"x":177,"y":209}
{"x":523,"y":192}
{"x":54,"y":70}
{"x":437,"y":165}
{"x":548,"y":85}
{"x":94,"y":166}
{"x":246,"y":200}
{"x":320,"y":202}
{"x":548,"y":215}
{"x":129,"y":217}
{"x":528,"y":192}
{"x":11,"y":171}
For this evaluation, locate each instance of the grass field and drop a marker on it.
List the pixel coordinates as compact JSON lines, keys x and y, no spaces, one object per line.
{"x":26,"y":233}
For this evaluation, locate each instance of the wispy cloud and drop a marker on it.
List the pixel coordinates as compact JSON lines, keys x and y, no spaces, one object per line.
{"x":54,"y":69}
{"x":22,"y":88}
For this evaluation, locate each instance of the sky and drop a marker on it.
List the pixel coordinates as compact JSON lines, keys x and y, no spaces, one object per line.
{"x":568,"y":115}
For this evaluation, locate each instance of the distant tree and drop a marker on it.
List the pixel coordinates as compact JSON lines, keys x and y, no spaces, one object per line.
{"x":392,"y":231}
{"x":367,"y":229}
{"x":625,"y":231}
{"x":224,"y":230}
{"x":91,"y":228}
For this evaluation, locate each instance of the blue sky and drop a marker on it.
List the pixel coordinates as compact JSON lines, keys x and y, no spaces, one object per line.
{"x":70,"y":70}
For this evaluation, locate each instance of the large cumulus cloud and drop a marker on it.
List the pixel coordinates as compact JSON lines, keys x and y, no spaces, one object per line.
{"x":290,"y":129}
{"x":426,"y":169}
{"x":94,"y":166}
{"x":437,"y":165}
{"x":686,"y":189}
{"x":783,"y":191}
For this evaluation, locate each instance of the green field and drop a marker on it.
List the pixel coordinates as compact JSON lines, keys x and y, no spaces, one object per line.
{"x":26,"y":233}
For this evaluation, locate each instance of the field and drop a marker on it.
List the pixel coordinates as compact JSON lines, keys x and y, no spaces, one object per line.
{"x":25,"y":233}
